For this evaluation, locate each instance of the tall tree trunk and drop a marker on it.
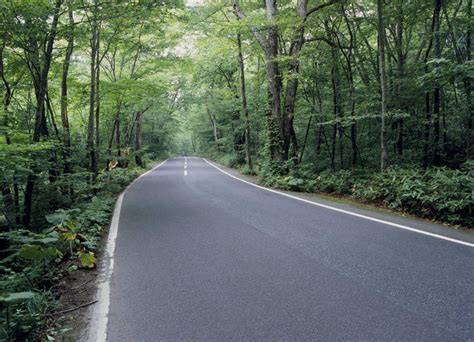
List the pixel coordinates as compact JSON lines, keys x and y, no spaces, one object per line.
{"x":350,"y":75}
{"x":437,"y":90}
{"x":401,"y":73}
{"x":337,"y":101}
{"x":97,"y":98}
{"x":274,"y":114}
{"x":245,"y":110}
{"x":64,"y":94}
{"x":428,"y":118}
{"x":91,"y":148}
{"x":383,"y":85}
{"x":40,"y":111}
{"x":427,"y":134}
{"x":291,"y":91}
{"x":468,"y":86}
{"x":118,"y":140}
{"x":43,"y":81}
{"x":109,"y":148}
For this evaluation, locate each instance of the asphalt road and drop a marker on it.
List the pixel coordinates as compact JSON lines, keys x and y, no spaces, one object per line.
{"x":204,"y":257}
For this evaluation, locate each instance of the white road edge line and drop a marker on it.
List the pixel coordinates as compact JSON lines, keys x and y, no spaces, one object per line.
{"x":100,"y":317}
{"x":465,"y":243}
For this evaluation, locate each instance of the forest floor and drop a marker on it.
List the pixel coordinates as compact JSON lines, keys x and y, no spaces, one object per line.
{"x":77,"y":293}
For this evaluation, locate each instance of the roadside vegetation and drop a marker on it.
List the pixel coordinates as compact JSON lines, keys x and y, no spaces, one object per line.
{"x":370,"y":99}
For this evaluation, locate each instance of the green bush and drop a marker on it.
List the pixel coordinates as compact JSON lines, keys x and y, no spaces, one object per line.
{"x":340,"y":182}
{"x":437,"y":193}
{"x":33,"y":261}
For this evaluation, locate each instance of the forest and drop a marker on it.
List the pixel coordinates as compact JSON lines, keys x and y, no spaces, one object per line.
{"x":365,"y":100}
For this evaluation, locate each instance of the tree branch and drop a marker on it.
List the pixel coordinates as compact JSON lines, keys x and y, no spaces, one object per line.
{"x":258,"y":36}
{"x":326,"y":40}
{"x":320,"y":7}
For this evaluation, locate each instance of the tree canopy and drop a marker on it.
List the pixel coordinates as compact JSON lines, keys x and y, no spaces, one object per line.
{"x":371,"y":99}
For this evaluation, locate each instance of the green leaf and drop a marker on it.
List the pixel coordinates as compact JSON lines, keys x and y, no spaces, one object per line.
{"x":31,"y":252}
{"x":47,"y":240}
{"x":17,"y":297}
{"x":87,"y":260}
{"x":37,"y":253}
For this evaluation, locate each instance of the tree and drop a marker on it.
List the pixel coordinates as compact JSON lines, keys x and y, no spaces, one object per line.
{"x":280,"y":124}
{"x":383,"y":85}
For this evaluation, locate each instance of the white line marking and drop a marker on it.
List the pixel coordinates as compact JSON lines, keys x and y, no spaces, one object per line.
{"x":99,"y":321}
{"x":465,"y":243}
{"x":185,"y":166}
{"x":185,"y":172}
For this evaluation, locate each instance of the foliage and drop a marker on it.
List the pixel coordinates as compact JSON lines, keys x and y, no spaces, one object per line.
{"x":93,"y":90}
{"x":437,"y":193}
{"x":336,"y":119}
{"x":36,"y":261}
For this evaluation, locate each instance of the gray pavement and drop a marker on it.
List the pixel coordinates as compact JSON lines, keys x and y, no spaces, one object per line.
{"x":204,"y":257}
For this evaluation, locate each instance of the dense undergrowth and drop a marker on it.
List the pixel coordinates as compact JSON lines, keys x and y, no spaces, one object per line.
{"x":437,"y":193}
{"x":34,"y":262}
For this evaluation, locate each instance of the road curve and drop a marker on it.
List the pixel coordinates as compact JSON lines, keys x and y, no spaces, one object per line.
{"x":201,"y":256}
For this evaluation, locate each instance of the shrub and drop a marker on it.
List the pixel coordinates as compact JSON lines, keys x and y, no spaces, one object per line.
{"x":340,"y":182}
{"x":33,"y":261}
{"x":438,"y":193}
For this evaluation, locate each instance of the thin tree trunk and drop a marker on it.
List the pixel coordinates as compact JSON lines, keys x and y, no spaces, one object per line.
{"x":118,"y":141}
{"x":248,"y":155}
{"x":64,"y":95}
{"x":349,"y":59}
{"x":39,"y":128}
{"x":437,"y":90}
{"x":111,"y":141}
{"x":337,"y":103}
{"x":468,"y":86}
{"x":97,"y":98}
{"x":426,"y":144}
{"x":215,"y":132}
{"x":427,"y":134}
{"x":401,"y":73}
{"x":383,"y":86}
{"x":138,"y":138}
{"x":333,"y":148}
{"x":354,"y":144}
{"x":91,"y":148}
{"x":308,"y":126}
